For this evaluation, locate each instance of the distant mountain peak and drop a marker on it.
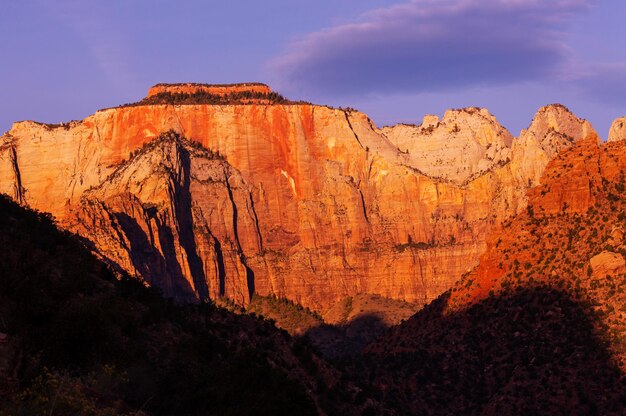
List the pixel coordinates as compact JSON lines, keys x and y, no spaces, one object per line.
{"x":618,"y":130}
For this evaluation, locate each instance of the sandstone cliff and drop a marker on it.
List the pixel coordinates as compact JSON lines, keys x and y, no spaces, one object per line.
{"x":169,"y":214}
{"x":464,"y":144}
{"x":553,"y":129}
{"x":570,"y":238}
{"x":538,"y":327}
{"x":618,"y":130}
{"x":307,"y":202}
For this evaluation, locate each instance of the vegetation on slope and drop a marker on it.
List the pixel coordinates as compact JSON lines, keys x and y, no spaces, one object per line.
{"x":344,"y":330}
{"x":206,"y":98}
{"x":578,"y":213}
{"x":525,"y":351}
{"x":287,"y":315}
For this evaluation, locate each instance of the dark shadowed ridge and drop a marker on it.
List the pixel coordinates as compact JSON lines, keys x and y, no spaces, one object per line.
{"x":74,"y":338}
{"x":528,"y":351}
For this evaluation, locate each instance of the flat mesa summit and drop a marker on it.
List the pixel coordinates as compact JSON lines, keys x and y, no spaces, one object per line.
{"x":213,"y":89}
{"x":209,"y":191}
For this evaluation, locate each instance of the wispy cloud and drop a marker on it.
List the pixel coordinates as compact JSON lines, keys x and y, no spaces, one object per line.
{"x":432,"y":45}
{"x":603,"y":82}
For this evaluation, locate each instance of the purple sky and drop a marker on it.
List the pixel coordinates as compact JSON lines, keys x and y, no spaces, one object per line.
{"x":394,"y":60}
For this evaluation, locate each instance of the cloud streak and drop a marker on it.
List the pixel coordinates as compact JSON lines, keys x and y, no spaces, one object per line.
{"x":604,"y":83}
{"x":432,"y":45}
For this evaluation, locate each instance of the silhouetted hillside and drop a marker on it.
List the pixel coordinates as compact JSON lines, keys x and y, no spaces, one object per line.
{"x":77,"y":341}
{"x":530,"y":351}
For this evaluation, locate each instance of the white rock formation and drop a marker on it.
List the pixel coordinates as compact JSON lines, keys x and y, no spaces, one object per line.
{"x":460,"y":146}
{"x":618,"y":130}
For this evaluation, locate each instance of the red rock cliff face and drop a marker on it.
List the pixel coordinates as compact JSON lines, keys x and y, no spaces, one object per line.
{"x":579,"y":186}
{"x":310,"y":202}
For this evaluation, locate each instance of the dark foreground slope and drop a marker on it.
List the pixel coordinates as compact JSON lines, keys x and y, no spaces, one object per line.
{"x":75,"y":340}
{"x":539,"y":327}
{"x":531,"y":351}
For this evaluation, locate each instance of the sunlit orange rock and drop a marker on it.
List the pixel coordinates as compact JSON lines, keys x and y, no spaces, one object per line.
{"x":569,"y":239}
{"x":575,"y":183}
{"x":310,"y":202}
{"x":607,"y":263}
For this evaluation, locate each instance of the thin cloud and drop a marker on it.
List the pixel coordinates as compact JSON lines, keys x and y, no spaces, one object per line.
{"x":432,"y":45}
{"x":604,"y":83}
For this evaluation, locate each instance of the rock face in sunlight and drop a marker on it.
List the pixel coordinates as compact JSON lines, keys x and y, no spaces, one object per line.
{"x":296,"y":200}
{"x":538,"y":326}
{"x":553,"y":129}
{"x":571,"y":237}
{"x":607,"y":263}
{"x":168,"y":215}
{"x":463,"y":145}
{"x":618,"y":130}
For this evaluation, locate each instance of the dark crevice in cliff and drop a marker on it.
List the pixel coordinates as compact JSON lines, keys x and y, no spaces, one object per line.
{"x":345,"y":113}
{"x":242,"y":257}
{"x":185,"y":222}
{"x":364,"y":207}
{"x":234,"y":207}
{"x":145,"y":260}
{"x":256,"y":222}
{"x":371,"y":124}
{"x":369,"y":169}
{"x":421,"y":270}
{"x":249,"y":279}
{"x":221,"y":270}
{"x":19,"y":190}
{"x":219,"y":256}
{"x":117,"y":227}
